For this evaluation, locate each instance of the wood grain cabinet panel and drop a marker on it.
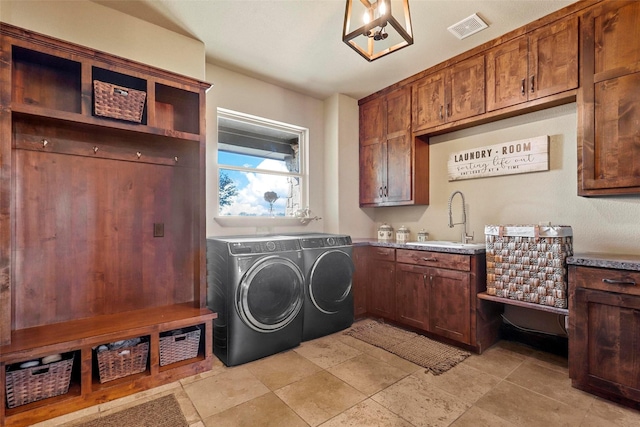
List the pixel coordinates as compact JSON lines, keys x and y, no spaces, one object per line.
{"x":536,"y":65}
{"x":450,"y":304}
{"x":381,"y":289}
{"x":393,"y":167}
{"x":604,"y":333}
{"x":360,"y":280}
{"x":412,"y":295}
{"x":609,"y":101}
{"x":454,"y":93}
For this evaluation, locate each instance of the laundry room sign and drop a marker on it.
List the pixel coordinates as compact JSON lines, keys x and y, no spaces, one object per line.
{"x":509,"y":158}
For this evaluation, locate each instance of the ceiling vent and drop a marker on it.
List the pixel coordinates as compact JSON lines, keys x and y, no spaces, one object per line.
{"x":468,"y":26}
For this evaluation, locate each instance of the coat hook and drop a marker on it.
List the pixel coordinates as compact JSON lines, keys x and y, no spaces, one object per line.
{"x":176,"y":159}
{"x":138,"y":154}
{"x":44,"y":143}
{"x":95,"y":149}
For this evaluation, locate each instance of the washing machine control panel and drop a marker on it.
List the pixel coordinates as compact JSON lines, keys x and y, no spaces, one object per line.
{"x":257,"y":247}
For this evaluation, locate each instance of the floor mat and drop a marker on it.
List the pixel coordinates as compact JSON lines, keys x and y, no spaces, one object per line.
{"x":162,"y":412}
{"x":433,"y":355}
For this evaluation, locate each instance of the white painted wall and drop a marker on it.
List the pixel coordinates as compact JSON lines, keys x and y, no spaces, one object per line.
{"x":602,"y":224}
{"x":344,"y":215}
{"x":99,"y":27}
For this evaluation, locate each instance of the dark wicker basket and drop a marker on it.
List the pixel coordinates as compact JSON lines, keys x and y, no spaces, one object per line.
{"x":174,"y":348}
{"x":39,"y":382}
{"x":122,"y":362}
{"x":118,"y":102}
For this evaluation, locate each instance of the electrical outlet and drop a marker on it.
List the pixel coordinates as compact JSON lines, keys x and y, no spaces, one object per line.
{"x":158,"y":229}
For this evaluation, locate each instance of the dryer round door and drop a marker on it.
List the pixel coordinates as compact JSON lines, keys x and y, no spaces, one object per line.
{"x":270,"y":294}
{"x":330,"y":281}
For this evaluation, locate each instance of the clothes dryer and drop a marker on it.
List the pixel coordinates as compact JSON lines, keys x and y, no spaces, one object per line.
{"x":328,"y":272}
{"x":256,"y":285}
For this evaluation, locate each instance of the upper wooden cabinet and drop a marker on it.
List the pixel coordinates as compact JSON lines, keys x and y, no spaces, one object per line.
{"x":541,"y":63}
{"x":455,"y":93}
{"x":389,"y":155}
{"x":609,"y":101}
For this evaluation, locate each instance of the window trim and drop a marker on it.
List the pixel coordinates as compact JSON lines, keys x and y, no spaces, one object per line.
{"x":303,"y":157}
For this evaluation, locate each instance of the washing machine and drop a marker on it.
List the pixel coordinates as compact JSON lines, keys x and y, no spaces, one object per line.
{"x":328,"y":272}
{"x":256,"y":285}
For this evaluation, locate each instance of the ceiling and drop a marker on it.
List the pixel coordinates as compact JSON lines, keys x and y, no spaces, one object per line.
{"x":297,"y":44}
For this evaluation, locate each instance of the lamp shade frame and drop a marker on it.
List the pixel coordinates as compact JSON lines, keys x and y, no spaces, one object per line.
{"x":369,"y":53}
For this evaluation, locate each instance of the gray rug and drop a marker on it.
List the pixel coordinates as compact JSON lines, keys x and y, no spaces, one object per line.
{"x":162,"y":412}
{"x":433,"y":355}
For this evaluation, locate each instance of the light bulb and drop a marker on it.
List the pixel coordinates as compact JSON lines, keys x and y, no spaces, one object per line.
{"x":365,"y":17}
{"x":383,"y":7}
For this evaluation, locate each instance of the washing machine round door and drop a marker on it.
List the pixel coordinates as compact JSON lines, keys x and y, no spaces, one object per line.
{"x":270,"y":294}
{"x":330,"y":281}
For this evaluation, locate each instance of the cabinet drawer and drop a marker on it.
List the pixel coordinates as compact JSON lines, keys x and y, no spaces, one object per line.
{"x":382,"y":254}
{"x":435,"y":259}
{"x":604,"y":279}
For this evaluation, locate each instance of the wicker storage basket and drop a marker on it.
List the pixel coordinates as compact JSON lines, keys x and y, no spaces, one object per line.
{"x":174,"y":348}
{"x":118,"y":363}
{"x":39,"y":382}
{"x":118,"y":102}
{"x":528,"y":263}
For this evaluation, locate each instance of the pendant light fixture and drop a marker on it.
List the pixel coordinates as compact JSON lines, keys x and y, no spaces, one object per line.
{"x":374,"y":28}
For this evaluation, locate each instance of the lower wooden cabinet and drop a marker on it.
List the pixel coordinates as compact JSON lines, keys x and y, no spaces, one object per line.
{"x":381,"y":290}
{"x":450,"y":304}
{"x":433,"y":292}
{"x":412,"y":295}
{"x":359,"y":281}
{"x":604,"y":332}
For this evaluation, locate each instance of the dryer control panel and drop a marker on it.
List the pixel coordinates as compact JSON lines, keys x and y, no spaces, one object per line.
{"x":325,"y":242}
{"x":263,"y":246}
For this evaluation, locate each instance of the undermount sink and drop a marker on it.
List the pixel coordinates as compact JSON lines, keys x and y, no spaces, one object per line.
{"x":448,"y":244}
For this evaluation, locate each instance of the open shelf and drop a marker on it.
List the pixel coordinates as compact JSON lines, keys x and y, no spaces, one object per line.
{"x":174,"y":109}
{"x":539,"y":307}
{"x":46,"y":81}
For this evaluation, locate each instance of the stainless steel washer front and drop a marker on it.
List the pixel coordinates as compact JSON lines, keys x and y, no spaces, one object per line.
{"x":270,"y":294}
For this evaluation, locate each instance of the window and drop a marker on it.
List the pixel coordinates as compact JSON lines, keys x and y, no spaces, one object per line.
{"x":261,"y":167}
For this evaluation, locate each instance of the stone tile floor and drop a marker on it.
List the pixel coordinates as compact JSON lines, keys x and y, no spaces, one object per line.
{"x":340,"y":381}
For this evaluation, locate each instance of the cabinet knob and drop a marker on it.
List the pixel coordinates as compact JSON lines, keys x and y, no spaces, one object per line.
{"x":441,"y":114}
{"x":522,"y":87}
{"x":432,"y":259}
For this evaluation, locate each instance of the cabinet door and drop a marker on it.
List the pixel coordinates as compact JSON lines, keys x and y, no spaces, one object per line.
{"x":412,"y":306}
{"x":609,"y":108}
{"x":360,"y":278}
{"x":428,"y":102}
{"x":381,"y":292}
{"x":617,"y":42}
{"x":399,"y":154}
{"x":553,"y":59}
{"x":465,"y":87}
{"x":605,"y":337}
{"x":507,"y":74}
{"x":450,"y":304}
{"x":372,"y":151}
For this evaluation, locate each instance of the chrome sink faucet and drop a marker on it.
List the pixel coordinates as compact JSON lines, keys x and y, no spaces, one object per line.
{"x":465,"y":237}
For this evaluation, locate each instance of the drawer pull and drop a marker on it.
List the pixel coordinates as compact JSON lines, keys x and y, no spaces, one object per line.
{"x":619,"y":282}
{"x":430,"y":259}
